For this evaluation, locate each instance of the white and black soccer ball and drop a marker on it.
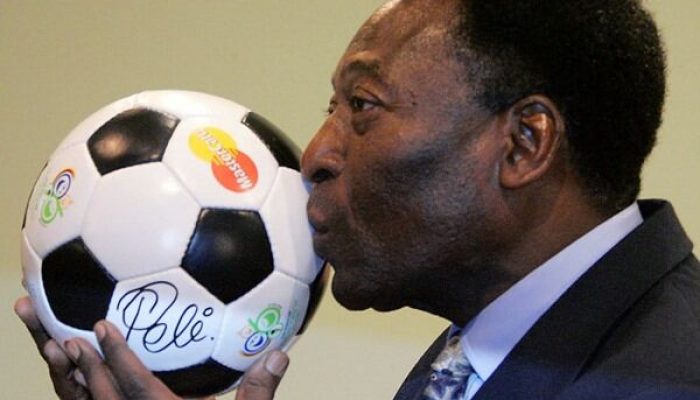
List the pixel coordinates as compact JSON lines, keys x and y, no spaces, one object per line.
{"x":181,"y":218}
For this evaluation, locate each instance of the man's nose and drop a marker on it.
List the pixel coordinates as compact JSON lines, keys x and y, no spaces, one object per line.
{"x":324,"y":157}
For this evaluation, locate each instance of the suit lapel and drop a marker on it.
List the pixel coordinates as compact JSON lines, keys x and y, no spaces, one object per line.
{"x":416,"y":380}
{"x":555,"y":350}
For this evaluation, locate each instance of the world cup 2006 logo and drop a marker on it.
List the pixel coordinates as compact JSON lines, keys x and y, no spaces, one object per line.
{"x":55,"y":197}
{"x":232,"y":168}
{"x":262,"y":330}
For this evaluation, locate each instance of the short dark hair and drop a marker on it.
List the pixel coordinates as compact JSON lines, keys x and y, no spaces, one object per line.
{"x":601,"y":61}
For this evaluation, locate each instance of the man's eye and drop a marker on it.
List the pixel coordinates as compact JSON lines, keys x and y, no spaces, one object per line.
{"x":358,"y":104}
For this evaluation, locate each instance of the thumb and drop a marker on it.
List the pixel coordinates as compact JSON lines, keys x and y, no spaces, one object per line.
{"x":262,"y":379}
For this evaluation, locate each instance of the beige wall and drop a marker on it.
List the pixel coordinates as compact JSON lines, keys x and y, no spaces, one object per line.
{"x":59,"y":61}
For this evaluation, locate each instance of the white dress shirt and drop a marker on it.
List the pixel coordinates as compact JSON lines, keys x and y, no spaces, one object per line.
{"x":491,"y":335}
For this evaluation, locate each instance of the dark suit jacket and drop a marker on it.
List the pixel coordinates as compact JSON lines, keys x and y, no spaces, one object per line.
{"x":629,"y":328}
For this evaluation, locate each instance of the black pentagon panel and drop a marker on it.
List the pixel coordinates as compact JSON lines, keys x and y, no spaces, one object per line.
{"x":133,"y":137}
{"x":316,"y":290}
{"x":285,"y":151}
{"x":78,"y":288}
{"x":200,"y":380}
{"x":229,"y":253}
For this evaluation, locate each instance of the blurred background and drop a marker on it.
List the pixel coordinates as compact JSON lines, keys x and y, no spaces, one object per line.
{"x":62,"y":60}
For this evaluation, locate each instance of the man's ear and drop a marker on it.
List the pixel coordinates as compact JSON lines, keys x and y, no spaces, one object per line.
{"x":535,"y":130}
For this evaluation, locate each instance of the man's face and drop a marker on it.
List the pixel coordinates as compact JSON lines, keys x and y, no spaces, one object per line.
{"x":400,"y":172}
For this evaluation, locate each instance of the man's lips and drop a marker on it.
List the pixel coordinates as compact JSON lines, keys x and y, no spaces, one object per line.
{"x":317,"y":220}
{"x":325,"y":217}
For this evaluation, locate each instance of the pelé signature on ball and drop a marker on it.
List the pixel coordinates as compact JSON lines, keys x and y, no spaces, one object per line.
{"x":149,"y":309}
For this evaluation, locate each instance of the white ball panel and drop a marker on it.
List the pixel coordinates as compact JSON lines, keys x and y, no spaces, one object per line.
{"x":169,"y":320}
{"x":32,"y":214}
{"x":60,"y":199}
{"x":82,"y":132}
{"x":290,"y":343}
{"x":183,"y":103}
{"x":223,"y":163}
{"x":140,"y":221}
{"x":287,"y":224}
{"x":265,"y":318}
{"x":31,"y":267}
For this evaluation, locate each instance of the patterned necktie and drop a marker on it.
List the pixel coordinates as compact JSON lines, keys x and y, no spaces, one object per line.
{"x":451,"y":371}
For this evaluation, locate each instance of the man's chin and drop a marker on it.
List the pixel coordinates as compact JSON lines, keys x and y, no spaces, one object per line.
{"x":347,"y":297}
{"x":360,"y":298}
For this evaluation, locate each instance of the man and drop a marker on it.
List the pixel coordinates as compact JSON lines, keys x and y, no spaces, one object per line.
{"x":480,"y":161}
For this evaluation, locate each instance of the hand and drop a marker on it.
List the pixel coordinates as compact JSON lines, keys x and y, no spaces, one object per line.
{"x":121,"y":375}
{"x":61,"y":370}
{"x":261,"y":380}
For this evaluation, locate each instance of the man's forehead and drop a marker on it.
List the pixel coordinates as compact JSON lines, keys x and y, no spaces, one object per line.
{"x":401,"y":20}
{"x":386,"y":8}
{"x":395,"y":29}
{"x":402,"y":23}
{"x":418,"y":7}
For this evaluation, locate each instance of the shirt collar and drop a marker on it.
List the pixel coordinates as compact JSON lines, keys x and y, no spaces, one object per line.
{"x":492,"y":334}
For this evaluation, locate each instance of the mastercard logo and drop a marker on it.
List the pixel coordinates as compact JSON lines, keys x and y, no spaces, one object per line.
{"x":232,"y":168}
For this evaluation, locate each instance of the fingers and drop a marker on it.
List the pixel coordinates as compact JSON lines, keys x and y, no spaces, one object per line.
{"x":25,"y":312}
{"x":61,"y":369}
{"x":262,"y":379}
{"x":62,"y":373}
{"x":95,"y":372}
{"x":132,"y":377}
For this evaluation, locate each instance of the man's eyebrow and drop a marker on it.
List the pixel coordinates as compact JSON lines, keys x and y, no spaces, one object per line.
{"x":361,"y":67}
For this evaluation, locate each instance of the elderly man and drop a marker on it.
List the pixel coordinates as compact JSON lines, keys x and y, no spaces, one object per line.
{"x":480,"y":161}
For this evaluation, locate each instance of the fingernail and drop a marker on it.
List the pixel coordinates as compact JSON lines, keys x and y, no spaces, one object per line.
{"x":20,"y":307}
{"x":51,"y":351}
{"x":100,"y":331}
{"x":79,"y":377}
{"x":276,"y":363}
{"x":72,"y":349}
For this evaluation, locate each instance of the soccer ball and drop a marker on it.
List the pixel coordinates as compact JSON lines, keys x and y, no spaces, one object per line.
{"x":181,"y":218}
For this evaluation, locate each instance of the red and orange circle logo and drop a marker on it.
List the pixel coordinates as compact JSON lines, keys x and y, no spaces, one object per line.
{"x":232,"y":168}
